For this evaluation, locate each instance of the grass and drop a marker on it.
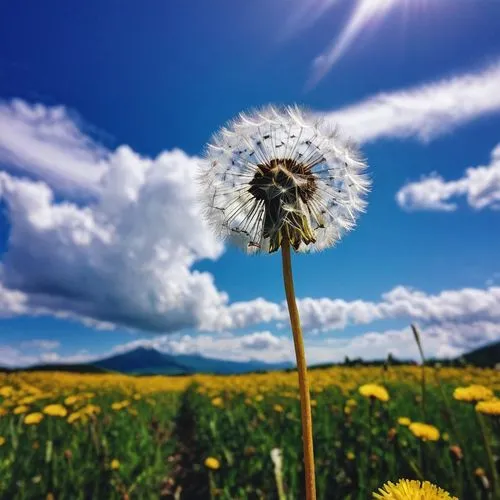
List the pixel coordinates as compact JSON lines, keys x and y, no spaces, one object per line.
{"x":155,"y":444}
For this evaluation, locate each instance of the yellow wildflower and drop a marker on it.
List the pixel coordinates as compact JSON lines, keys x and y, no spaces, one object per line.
{"x":350,"y":455}
{"x":120,"y":405}
{"x":91,"y":409}
{"x":20,"y":409}
{"x":473,"y":393}
{"x":55,"y":410}
{"x":212,"y":463}
{"x":71,"y":400}
{"x":423,"y":431}
{"x":33,"y":418}
{"x":3,"y":412}
{"x":74,"y":417}
{"x":491,"y":407}
{"x":374,"y":391}
{"x":2,"y":440}
{"x":218,"y":402}
{"x":278,"y":408}
{"x":405,"y":489}
{"x":6,"y":391}
{"x":404,"y":421}
{"x":115,"y":464}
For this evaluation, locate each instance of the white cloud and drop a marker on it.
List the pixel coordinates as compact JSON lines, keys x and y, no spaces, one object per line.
{"x":480,"y":185}
{"x":425,"y":111}
{"x":40,"y":344}
{"x":444,"y":340}
{"x":462,"y":305}
{"x":125,"y":256}
{"x":363,"y":13}
{"x":263,"y":346}
{"x":47,"y":142}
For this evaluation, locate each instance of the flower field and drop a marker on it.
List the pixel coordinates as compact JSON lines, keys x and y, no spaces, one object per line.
{"x":70,"y":436}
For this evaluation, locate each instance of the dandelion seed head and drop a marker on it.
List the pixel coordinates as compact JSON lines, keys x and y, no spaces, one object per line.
{"x":282,"y":173}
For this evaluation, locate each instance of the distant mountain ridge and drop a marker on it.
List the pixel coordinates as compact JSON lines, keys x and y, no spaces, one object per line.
{"x":145,"y":360}
{"x":150,"y":361}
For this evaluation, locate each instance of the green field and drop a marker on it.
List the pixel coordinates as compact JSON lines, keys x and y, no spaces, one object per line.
{"x":113,"y":436}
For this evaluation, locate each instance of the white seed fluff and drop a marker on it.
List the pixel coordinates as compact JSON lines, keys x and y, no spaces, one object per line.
{"x":282,"y":173}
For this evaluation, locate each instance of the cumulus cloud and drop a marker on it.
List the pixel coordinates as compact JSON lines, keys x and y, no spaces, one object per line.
{"x":47,"y":142}
{"x":123,"y":257}
{"x":262,"y":345}
{"x":463,"y":305}
{"x":479,"y":185}
{"x":424,"y":111}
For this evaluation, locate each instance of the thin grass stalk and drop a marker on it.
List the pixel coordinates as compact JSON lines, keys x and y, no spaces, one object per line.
{"x":305,"y":398}
{"x":489,"y":453}
{"x":421,"y":351}
{"x":456,"y":431}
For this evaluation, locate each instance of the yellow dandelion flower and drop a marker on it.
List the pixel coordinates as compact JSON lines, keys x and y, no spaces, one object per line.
{"x":405,"y":489}
{"x":491,"y":407}
{"x":3,"y":412}
{"x":278,"y":408}
{"x":2,"y":440}
{"x":374,"y":391}
{"x":404,"y":421}
{"x":55,"y":410}
{"x":218,"y":402}
{"x":27,"y":400}
{"x":71,"y":400}
{"x":33,"y":418}
{"x":120,"y":405}
{"x":351,"y":402}
{"x":259,"y":398}
{"x":212,"y":463}
{"x":91,"y":410}
{"x":350,"y":455}
{"x":74,"y":417}
{"x":6,"y":391}
{"x":473,"y":393}
{"x":115,"y":464}
{"x":18,"y":410}
{"x":423,"y":431}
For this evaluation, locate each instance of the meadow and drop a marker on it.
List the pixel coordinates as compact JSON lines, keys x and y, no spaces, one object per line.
{"x":83,"y":436}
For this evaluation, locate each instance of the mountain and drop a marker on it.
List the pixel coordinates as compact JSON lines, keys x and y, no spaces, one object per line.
{"x":143,"y":360}
{"x":487,"y":356}
{"x":150,"y":361}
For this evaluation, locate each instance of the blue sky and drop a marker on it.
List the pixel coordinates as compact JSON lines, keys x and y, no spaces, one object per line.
{"x":105,"y":108}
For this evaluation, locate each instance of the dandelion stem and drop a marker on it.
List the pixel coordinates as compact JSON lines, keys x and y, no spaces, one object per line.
{"x":489,"y":453}
{"x":305,"y":402}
